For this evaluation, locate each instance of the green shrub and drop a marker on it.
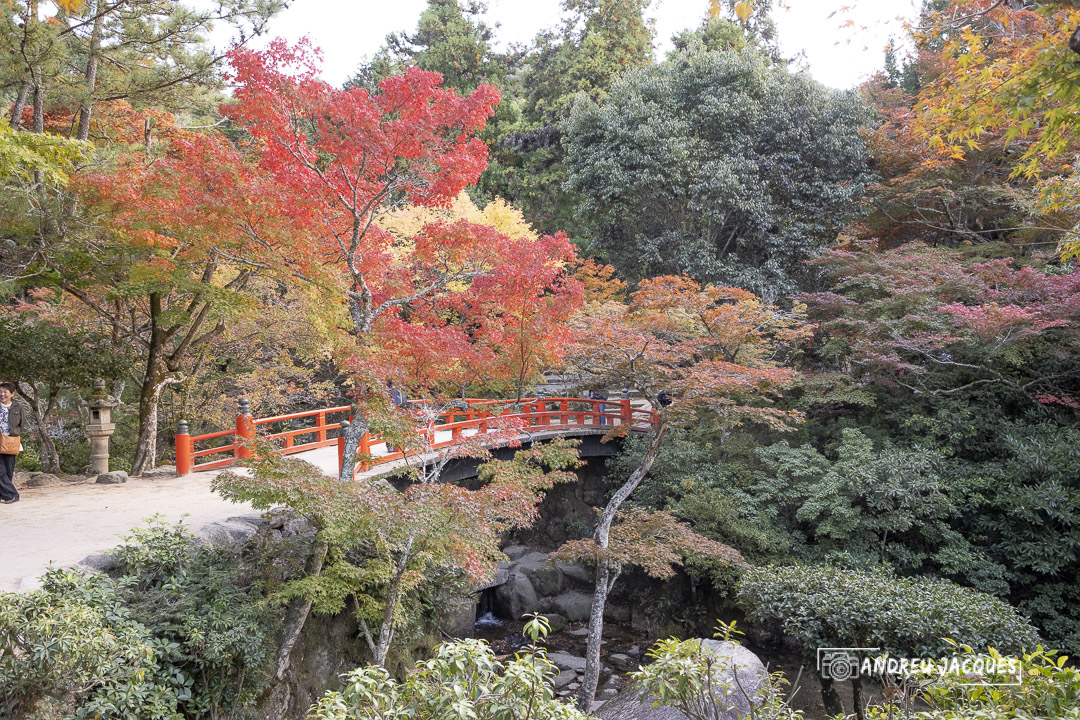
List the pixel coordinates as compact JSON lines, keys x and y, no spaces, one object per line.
{"x":822,"y":606}
{"x":462,"y":680}
{"x":1047,"y":689}
{"x":183,"y":632}
{"x":28,"y":458}
{"x":206,"y":611}
{"x":829,"y":607}
{"x":76,"y":637}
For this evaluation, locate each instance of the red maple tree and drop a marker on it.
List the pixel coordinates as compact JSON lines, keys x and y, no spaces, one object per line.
{"x":340,"y":159}
{"x":716,"y":353}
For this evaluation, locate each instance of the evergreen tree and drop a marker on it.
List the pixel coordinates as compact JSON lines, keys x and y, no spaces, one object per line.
{"x":451,"y":38}
{"x":717,"y":164}
{"x":599,"y":41}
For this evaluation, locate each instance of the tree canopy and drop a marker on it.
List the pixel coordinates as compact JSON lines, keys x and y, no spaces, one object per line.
{"x":717,"y":164}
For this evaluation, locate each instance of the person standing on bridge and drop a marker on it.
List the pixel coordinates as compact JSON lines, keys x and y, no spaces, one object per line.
{"x":595,"y":394}
{"x":401,"y":402}
{"x":397,"y":395}
{"x":11,"y":427}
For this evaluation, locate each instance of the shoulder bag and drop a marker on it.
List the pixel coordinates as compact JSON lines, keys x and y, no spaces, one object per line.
{"x":10,"y":444}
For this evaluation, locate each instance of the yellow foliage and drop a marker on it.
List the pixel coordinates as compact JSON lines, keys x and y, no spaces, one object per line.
{"x":406,"y":222}
{"x":508,"y":220}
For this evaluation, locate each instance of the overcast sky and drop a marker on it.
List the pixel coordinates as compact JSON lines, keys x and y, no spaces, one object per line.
{"x":348,"y":30}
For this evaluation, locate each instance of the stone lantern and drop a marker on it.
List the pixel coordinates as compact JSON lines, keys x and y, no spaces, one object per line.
{"x":100,"y":427}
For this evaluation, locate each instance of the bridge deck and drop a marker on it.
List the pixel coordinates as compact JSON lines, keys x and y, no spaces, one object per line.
{"x":326,"y":459}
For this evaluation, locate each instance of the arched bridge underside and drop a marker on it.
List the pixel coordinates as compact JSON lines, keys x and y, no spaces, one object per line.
{"x":316,"y":436}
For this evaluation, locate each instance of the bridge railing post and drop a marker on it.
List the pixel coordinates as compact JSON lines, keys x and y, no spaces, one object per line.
{"x":365,"y":449}
{"x":183,"y":449}
{"x":245,"y":430}
{"x":564,"y":406}
{"x":341,"y":445}
{"x":627,"y":411}
{"x":320,"y":422}
{"x":484,"y":415}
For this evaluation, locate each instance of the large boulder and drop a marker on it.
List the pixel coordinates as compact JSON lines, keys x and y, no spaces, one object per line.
{"x":41,"y":479}
{"x":516,"y":597}
{"x":617,"y":613}
{"x":233,"y":533}
{"x":565,"y":661}
{"x":732,"y":661}
{"x":516,"y":552}
{"x":556,"y":622}
{"x":277,"y":517}
{"x":256,"y":519}
{"x":502,"y":574}
{"x":458,"y":618}
{"x":102,"y":562}
{"x":564,"y":678}
{"x":546,"y":579}
{"x":112,"y":478}
{"x":577,"y":573}
{"x":574,"y":605}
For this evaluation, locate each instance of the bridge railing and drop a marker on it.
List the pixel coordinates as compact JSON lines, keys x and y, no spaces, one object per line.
{"x":193,"y":454}
{"x":449,"y":425}
{"x":472,"y":417}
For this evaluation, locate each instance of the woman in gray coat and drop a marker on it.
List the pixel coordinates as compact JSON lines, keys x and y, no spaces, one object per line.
{"x":11,"y":424}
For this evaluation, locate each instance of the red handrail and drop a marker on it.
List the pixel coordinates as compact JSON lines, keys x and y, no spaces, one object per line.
{"x":536,"y":414}
{"x":186,"y":453}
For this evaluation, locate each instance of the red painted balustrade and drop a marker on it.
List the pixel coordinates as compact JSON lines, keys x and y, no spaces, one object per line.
{"x":465,"y":417}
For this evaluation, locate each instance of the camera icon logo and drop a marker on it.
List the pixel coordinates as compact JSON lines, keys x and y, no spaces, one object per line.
{"x":840,"y":664}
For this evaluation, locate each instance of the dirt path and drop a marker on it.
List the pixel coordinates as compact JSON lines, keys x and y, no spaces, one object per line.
{"x":64,"y":523}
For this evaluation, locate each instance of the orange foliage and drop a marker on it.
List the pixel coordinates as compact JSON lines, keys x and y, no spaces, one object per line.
{"x":718,"y":351}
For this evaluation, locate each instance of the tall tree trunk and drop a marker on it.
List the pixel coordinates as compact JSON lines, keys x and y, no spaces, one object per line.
{"x":20,"y":103}
{"x":39,"y":100}
{"x":154,"y":382}
{"x":353,"y":434}
{"x":50,"y":459}
{"x":39,"y":120}
{"x":91,"y":74}
{"x":393,"y":592}
{"x":153,"y":386}
{"x":604,"y":580}
{"x":299,"y":609}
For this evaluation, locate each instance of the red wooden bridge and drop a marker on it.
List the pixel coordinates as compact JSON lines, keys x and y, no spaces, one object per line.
{"x":438,"y":429}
